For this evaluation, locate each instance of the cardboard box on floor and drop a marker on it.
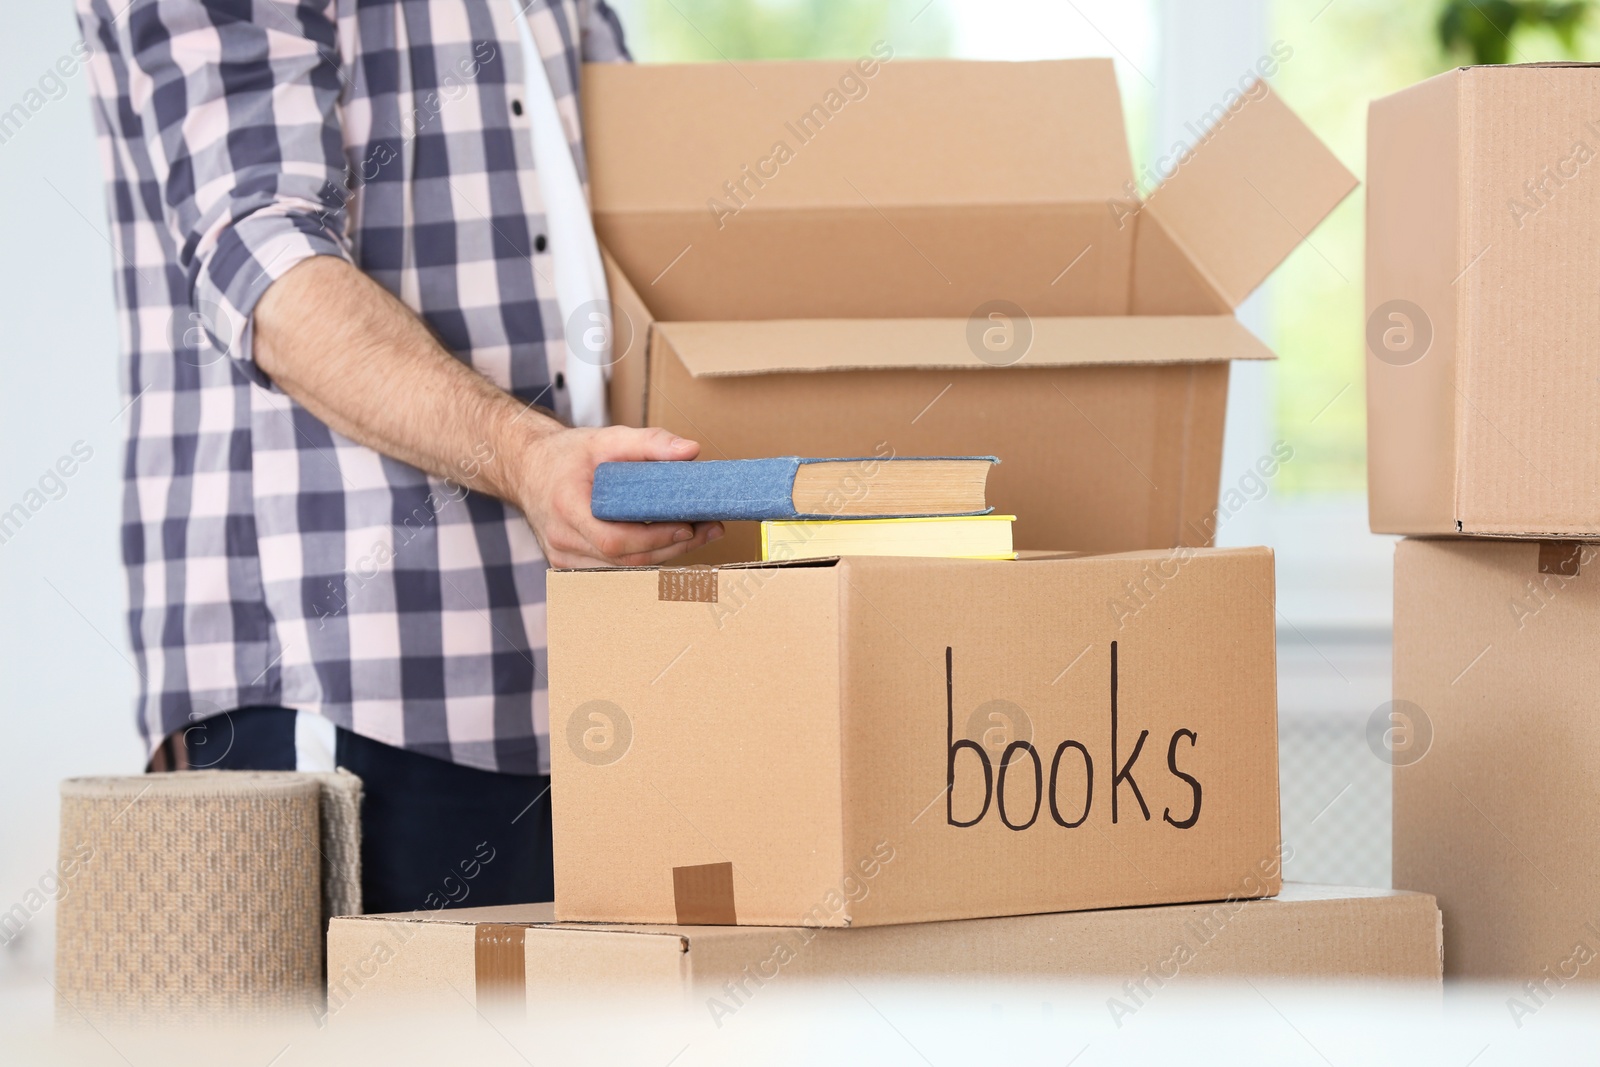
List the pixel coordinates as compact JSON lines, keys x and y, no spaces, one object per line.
{"x":1495,"y":799}
{"x":943,"y":258}
{"x":519,"y":957}
{"x":1483,"y":378}
{"x":755,"y":744}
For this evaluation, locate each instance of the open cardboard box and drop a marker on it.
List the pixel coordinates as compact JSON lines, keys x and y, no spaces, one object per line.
{"x":1483,"y":372}
{"x":943,"y":258}
{"x":510,"y":961}
{"x":876,"y":740}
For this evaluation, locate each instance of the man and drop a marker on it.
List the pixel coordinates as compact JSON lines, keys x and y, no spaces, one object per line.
{"x":349,"y":449}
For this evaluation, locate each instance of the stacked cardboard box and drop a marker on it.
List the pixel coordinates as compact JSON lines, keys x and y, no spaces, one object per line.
{"x":748,"y":744}
{"x":1483,"y":384}
{"x":889,"y":765}
{"x":517,"y":958}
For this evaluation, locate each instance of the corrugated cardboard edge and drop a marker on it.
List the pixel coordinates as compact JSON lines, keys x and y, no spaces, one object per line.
{"x":792,"y":346}
{"x":1501,"y":531}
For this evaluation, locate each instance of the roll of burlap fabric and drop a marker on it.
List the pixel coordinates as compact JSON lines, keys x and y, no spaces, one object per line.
{"x":201,"y":893}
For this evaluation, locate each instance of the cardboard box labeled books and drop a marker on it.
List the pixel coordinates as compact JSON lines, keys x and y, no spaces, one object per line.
{"x":843,"y":258}
{"x":1483,"y":213}
{"x":746,"y":744}
{"x":519,"y":957}
{"x":1495,"y":799}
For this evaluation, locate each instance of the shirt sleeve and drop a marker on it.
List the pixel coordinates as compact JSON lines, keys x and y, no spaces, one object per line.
{"x":240,"y":118}
{"x":602,"y":37}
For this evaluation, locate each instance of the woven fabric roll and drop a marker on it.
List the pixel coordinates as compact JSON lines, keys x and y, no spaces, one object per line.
{"x":341,"y":844}
{"x":195,"y":894}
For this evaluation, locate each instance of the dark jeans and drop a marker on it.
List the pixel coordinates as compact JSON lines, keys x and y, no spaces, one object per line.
{"x":433,"y":834}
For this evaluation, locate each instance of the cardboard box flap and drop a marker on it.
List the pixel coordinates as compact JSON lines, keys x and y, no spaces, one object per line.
{"x":722,"y":349}
{"x":1250,"y":192}
{"x":817,"y":190}
{"x":667,"y":137}
{"x":1165,"y":280}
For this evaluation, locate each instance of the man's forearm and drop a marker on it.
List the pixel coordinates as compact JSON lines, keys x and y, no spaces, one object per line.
{"x":363,"y":363}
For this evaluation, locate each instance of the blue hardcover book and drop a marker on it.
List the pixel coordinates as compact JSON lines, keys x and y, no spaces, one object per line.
{"x":789,"y":487}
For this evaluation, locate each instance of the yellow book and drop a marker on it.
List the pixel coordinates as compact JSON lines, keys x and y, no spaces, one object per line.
{"x":951,"y":537}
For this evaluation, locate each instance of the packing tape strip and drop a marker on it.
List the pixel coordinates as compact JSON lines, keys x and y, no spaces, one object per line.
{"x":695,"y":584}
{"x":1560,"y":557}
{"x":703,"y":895}
{"x":500,"y":969}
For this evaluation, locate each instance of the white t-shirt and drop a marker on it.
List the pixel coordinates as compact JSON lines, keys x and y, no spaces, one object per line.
{"x":584,"y":360}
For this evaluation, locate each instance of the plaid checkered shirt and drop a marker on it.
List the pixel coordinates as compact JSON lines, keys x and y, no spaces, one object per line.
{"x":270,"y":560}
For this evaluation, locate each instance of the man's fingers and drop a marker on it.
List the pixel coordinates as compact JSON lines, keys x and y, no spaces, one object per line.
{"x":620,"y":443}
{"x":701,"y":534}
{"x":707,"y":532}
{"x":613,"y":540}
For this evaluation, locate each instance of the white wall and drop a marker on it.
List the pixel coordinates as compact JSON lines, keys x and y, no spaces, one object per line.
{"x":65,"y":682}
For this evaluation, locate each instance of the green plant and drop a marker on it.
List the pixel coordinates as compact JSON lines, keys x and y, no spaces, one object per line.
{"x":1483,"y":28}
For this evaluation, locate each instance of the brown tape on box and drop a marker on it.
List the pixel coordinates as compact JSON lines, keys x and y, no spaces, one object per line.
{"x":695,"y":584}
{"x":703,"y":895}
{"x":500,"y":968}
{"x":1559,"y":557}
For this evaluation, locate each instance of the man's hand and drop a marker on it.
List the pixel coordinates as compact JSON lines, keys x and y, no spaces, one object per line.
{"x":365,"y":364}
{"x":560,"y":480}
